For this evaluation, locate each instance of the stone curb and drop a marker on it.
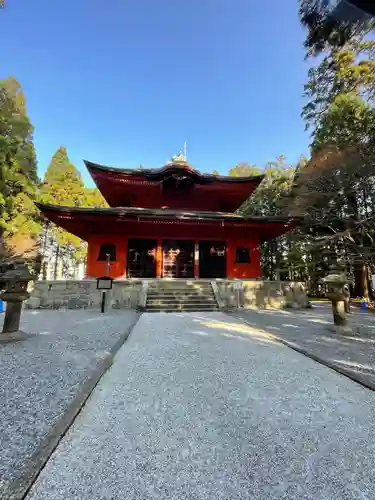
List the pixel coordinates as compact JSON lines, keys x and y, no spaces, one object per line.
{"x":20,"y":487}
{"x":355,"y":376}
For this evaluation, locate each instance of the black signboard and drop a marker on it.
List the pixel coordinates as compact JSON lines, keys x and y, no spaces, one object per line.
{"x":104,"y":283}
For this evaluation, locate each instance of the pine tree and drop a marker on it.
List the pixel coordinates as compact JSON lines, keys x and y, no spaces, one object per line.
{"x":62,"y":185}
{"x":19,"y":220}
{"x":336,"y":192}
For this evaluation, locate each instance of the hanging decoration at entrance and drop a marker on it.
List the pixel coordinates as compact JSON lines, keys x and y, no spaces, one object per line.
{"x":178,"y":259}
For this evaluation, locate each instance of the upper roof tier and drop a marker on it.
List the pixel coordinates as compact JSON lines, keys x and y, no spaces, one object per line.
{"x":176,"y":185}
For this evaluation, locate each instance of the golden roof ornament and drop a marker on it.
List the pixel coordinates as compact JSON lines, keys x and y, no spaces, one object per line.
{"x":179,"y":158}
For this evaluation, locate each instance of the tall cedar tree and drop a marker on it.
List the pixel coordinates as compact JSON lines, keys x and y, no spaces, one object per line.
{"x":19,"y":221}
{"x":63,"y":185}
{"x":336,"y":191}
{"x":278,"y":180}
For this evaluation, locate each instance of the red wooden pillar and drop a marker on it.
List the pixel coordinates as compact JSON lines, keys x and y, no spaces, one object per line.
{"x":87,"y":263}
{"x":159,"y":258}
{"x":89,"y":271}
{"x":125,"y":274}
{"x":196,"y":258}
{"x":229,"y":249}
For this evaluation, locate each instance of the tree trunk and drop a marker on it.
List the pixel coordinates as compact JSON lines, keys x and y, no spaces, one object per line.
{"x":55,"y":271}
{"x":2,"y":248}
{"x":45,"y":237}
{"x":360,"y":280}
{"x":276,"y":253}
{"x":44,"y":271}
{"x":369,"y":284}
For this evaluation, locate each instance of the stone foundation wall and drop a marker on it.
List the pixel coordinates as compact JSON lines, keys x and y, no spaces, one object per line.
{"x":82,"y":294}
{"x":258,"y":294}
{"x":131,"y":294}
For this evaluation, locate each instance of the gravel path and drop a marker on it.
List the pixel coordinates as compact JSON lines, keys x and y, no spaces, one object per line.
{"x":309,"y":331}
{"x":45,"y":380}
{"x":204,"y":407}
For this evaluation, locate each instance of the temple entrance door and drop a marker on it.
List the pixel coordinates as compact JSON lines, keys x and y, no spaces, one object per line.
{"x":142,"y":258}
{"x":212,"y":259}
{"x":178,"y":259}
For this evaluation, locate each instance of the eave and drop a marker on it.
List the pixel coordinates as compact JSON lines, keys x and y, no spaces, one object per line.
{"x":84,"y":222}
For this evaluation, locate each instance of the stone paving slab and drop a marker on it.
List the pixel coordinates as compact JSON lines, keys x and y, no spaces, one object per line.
{"x":45,"y":380}
{"x":202,"y":406}
{"x":308,"y":331}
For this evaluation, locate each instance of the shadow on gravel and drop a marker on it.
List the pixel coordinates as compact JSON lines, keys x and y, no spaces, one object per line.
{"x":308,"y":332}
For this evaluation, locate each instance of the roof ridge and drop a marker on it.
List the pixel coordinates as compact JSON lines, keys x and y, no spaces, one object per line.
{"x":168,"y":166}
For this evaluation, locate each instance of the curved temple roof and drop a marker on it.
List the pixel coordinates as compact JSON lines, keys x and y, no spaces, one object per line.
{"x":176,"y":185}
{"x":85,"y":222}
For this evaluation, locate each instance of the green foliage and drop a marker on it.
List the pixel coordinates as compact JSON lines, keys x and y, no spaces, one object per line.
{"x":324,"y":30}
{"x":336,"y":191}
{"x":243,"y":169}
{"x":63,"y":185}
{"x":94,"y":199}
{"x":344,"y":77}
{"x":276,"y":255}
{"x":19,"y":224}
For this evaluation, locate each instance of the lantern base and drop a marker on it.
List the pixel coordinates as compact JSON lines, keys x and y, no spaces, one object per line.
{"x":343,"y":330}
{"x":17,"y":336}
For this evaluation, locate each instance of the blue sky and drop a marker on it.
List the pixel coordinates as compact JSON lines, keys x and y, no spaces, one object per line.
{"x":125,"y":82}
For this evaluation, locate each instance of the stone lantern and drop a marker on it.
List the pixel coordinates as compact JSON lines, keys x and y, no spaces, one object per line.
{"x":14,"y":283}
{"x":338,"y":294}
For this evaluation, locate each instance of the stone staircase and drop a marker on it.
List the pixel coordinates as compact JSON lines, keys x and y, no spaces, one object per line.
{"x":180,"y":296}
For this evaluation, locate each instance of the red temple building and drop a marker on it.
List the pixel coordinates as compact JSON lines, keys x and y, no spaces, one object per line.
{"x":171,"y":222}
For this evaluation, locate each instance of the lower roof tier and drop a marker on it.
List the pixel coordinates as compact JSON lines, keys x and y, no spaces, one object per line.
{"x":141,"y":222}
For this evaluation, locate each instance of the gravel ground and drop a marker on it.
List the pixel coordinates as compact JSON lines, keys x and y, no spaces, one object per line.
{"x":308,"y":330}
{"x":43,"y":382}
{"x":205,"y":407}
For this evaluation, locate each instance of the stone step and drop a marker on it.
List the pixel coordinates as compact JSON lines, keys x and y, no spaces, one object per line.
{"x":181,"y":292}
{"x":181,"y":309}
{"x":181,"y":306}
{"x":180,"y":301}
{"x":153,"y":311}
{"x":179,"y":289}
{"x":178,"y":295}
{"x":194,"y":298}
{"x":181,"y":281}
{"x":160,"y":285}
{"x":180,"y":298}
